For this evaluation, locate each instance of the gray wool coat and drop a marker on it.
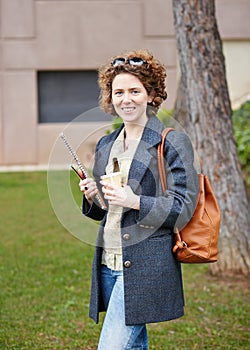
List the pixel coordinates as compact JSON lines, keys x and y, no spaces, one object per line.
{"x":153,"y":290}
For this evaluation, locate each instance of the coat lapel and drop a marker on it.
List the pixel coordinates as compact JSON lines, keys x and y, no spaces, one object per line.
{"x":150,"y":138}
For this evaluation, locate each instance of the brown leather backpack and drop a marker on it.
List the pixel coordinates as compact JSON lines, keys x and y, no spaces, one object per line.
{"x":197,"y":242}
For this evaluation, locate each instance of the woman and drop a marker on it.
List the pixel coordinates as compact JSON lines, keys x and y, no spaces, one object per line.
{"x":135,"y":276}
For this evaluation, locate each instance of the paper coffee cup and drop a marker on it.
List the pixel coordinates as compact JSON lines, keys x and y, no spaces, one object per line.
{"x":113,"y":178}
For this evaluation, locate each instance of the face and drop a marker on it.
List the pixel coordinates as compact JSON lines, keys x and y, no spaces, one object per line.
{"x":130,"y":98}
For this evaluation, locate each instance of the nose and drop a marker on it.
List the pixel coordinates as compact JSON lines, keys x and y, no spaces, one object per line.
{"x":127,"y":97}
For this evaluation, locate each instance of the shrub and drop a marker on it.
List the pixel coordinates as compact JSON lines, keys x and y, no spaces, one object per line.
{"x":241,"y":122}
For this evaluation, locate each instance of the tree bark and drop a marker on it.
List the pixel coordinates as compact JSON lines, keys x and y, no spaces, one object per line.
{"x":203,"y":108}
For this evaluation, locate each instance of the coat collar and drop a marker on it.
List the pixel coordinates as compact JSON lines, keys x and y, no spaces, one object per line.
{"x":150,"y":138}
{"x":152,"y":131}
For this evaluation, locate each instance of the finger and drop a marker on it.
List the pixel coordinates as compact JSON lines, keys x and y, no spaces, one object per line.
{"x":108,"y":192}
{"x":90,"y":190}
{"x":83,"y":188}
{"x":90,"y":194}
{"x":105,"y":184}
{"x":84,"y":184}
{"x":109,"y":186}
{"x":88,"y":182}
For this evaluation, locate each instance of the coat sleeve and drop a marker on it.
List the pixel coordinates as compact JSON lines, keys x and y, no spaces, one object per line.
{"x":175,"y":207}
{"x":92,"y":211}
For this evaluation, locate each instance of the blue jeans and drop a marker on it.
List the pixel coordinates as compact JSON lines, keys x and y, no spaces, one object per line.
{"x":115,"y":335}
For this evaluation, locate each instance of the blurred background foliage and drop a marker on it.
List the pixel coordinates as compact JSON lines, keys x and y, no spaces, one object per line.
{"x":241,"y":122}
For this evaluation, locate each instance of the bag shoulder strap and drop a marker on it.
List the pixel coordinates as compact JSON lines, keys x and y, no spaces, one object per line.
{"x":160,"y":158}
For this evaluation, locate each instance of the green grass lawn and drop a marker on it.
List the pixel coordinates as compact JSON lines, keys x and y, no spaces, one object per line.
{"x":45,"y":282}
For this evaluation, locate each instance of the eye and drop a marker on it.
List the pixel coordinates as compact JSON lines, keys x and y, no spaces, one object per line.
{"x":118,"y":93}
{"x":135,"y":92}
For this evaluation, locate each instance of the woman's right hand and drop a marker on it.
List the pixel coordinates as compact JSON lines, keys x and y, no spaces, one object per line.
{"x":89,"y":188}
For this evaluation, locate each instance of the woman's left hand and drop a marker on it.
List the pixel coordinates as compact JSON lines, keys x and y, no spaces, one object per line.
{"x":120,"y":196}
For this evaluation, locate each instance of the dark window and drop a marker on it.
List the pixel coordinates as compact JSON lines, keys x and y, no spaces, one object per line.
{"x":63,"y":96}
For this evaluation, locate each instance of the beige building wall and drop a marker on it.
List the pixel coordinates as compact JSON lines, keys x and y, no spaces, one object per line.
{"x":82,"y":34}
{"x":233,"y":21}
{"x":237,"y":55}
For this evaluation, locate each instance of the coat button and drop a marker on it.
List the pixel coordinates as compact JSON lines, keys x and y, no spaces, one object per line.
{"x":126,"y":236}
{"x":127,"y":263}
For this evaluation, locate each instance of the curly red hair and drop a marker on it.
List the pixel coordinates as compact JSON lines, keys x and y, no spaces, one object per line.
{"x":152,"y":75}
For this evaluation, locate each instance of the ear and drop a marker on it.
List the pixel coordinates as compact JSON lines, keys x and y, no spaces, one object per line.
{"x":151,"y":96}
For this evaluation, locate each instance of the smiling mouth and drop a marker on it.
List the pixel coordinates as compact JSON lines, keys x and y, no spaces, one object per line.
{"x":128,"y":109}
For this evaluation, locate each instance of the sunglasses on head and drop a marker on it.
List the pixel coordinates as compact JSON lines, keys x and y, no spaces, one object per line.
{"x":135,"y":61}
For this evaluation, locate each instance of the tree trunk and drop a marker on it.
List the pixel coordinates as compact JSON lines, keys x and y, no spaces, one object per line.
{"x":203,"y":108}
